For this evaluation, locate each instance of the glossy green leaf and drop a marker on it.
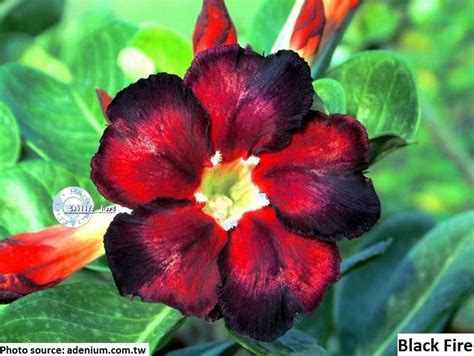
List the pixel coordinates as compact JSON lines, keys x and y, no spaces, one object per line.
{"x":362,"y":257}
{"x":382,"y":94}
{"x":358,"y":291}
{"x":427,"y":283}
{"x":95,"y":66}
{"x":332,"y":94}
{"x":168,"y":51}
{"x":267,"y":24}
{"x":32,"y":17}
{"x":26,"y":195}
{"x":55,"y":121}
{"x":10,"y":142}
{"x":294,"y":342}
{"x":86,"y":312}
{"x":217,"y":348}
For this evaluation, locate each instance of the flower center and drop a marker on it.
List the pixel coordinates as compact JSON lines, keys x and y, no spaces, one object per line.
{"x":228,"y":191}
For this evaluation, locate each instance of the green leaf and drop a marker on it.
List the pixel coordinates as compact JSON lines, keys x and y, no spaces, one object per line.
{"x":65,"y":38}
{"x":55,"y":121}
{"x":332,"y":94}
{"x":26,"y":195}
{"x":294,"y":342}
{"x":167,"y":51}
{"x":464,"y":319}
{"x":36,"y":57}
{"x":208,"y":349}
{"x":95,"y":66}
{"x":13,"y":45}
{"x":383,"y":145}
{"x":318,"y":104}
{"x":10,"y":142}
{"x":382,"y":94}
{"x":320,"y":324}
{"x":32,"y":17}
{"x":358,"y":291}
{"x":364,"y":256}
{"x":86,"y":312}
{"x":87,"y":276}
{"x":267,"y":24}
{"x":429,"y":283}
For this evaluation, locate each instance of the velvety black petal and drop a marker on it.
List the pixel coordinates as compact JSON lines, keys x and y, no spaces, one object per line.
{"x":167,"y":252}
{"x":317,"y":184}
{"x":156,"y":144}
{"x":269,"y":274}
{"x":253,"y":101}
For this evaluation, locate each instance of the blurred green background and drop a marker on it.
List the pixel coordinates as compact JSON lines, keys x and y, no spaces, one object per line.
{"x":434,"y":175}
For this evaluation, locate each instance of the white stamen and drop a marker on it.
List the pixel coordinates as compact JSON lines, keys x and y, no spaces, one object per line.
{"x":216,"y":158}
{"x":251,"y":161}
{"x":229,"y":223}
{"x":262,"y":199}
{"x":200,"y":198}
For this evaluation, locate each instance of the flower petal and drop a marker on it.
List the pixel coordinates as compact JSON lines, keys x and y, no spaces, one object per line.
{"x":38,"y":260}
{"x":337,"y":12}
{"x":213,"y":27}
{"x":269,"y":274}
{"x":308,"y":29}
{"x":156,"y":144}
{"x":303,"y":29}
{"x":254,"y":102}
{"x":167,"y":252}
{"x":317,"y":184}
{"x":104,"y":100}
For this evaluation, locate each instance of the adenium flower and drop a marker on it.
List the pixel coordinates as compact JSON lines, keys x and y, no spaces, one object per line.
{"x":37,"y":260}
{"x":238,"y":188}
{"x":312,"y":25}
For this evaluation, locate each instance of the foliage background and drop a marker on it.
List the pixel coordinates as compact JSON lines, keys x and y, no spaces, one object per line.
{"x":433,"y":176}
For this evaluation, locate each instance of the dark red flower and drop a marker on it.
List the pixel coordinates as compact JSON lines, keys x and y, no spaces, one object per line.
{"x":239,"y":189}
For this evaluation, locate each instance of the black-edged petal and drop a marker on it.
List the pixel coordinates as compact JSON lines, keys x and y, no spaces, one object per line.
{"x":317,"y":184}
{"x":167,"y":252}
{"x":156,"y":144}
{"x":253,"y":101}
{"x":269,"y":274}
